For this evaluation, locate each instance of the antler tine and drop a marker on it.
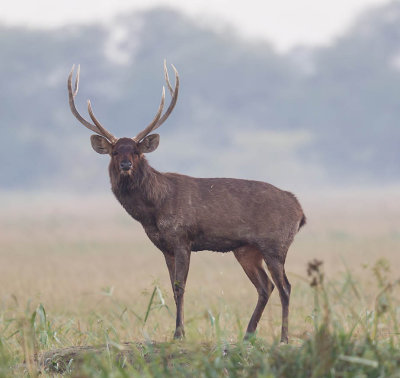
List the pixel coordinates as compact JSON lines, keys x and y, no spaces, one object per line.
{"x":78,"y":71}
{"x":71,"y":95}
{"x":174,"y":94}
{"x":101,"y":128}
{"x":97,"y":128}
{"x":154,"y":122}
{"x":171,"y":91}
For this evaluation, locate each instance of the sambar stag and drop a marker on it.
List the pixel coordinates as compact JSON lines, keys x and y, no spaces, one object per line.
{"x":181,"y":214}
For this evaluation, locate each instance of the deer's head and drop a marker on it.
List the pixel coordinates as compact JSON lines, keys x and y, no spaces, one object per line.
{"x":124,"y":152}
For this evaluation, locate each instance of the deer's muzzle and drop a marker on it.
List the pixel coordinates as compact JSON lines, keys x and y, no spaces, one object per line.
{"x":125,"y":165}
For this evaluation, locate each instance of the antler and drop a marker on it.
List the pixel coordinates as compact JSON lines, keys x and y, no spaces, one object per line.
{"x":158,"y":120}
{"x":97,"y":127}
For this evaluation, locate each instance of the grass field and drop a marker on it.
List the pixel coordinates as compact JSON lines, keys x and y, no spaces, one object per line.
{"x":76,"y":271}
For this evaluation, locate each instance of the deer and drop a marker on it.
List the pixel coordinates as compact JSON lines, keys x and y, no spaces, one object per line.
{"x":182,"y":214}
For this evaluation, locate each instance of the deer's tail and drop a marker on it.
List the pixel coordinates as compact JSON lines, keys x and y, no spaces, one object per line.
{"x":303,"y":221}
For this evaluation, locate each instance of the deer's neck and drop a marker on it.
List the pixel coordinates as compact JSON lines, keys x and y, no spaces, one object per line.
{"x":141,"y":193}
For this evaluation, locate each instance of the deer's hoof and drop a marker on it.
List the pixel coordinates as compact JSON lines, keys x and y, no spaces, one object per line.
{"x":249,"y":336}
{"x":179,"y":334}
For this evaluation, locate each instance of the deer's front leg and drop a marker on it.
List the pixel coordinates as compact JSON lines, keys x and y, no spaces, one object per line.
{"x":182,"y":261}
{"x":170,"y":260}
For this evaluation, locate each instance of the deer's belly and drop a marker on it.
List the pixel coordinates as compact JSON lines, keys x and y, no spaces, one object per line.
{"x":216,"y":244}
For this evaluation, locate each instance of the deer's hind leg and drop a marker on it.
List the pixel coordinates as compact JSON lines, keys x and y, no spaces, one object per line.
{"x":251,"y":259}
{"x":276,"y":265}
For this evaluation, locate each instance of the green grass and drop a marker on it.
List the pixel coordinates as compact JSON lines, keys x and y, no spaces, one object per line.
{"x":350,"y":335}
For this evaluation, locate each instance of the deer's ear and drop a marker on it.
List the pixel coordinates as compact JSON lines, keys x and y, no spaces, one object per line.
{"x":100,"y":144}
{"x":149,"y":144}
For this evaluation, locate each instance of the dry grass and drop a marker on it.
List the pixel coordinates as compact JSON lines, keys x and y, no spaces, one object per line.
{"x":83,"y":255}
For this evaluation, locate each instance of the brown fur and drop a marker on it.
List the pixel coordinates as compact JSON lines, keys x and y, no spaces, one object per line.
{"x":181,"y":214}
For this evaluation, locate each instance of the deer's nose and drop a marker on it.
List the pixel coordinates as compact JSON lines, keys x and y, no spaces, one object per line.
{"x":125,"y":165}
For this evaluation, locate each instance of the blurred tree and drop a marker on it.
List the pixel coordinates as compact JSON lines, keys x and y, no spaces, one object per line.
{"x":326,"y":115}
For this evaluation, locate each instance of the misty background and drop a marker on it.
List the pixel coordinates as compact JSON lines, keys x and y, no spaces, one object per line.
{"x":308,"y":118}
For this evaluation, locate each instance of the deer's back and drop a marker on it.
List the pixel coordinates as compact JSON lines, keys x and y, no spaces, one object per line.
{"x":222,"y":214}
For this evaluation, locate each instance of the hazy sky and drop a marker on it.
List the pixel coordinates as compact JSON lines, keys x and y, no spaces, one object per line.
{"x":284,"y":22}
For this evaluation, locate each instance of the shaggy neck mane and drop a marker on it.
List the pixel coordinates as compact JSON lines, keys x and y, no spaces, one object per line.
{"x":144,"y":183}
